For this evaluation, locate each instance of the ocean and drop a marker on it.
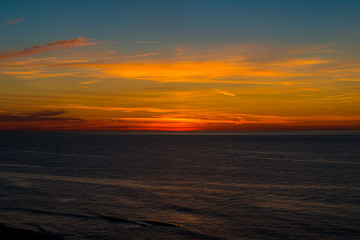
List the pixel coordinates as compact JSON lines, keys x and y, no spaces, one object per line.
{"x":215,"y":185}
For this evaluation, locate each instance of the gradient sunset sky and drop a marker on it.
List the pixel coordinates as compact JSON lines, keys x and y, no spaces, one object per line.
{"x":179,"y":65}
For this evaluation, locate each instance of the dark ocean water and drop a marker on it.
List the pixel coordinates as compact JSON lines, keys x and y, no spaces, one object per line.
{"x":96,"y":185}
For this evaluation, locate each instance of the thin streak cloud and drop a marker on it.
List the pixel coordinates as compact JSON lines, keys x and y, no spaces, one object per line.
{"x":123,"y":109}
{"x":45,"y":115}
{"x":52,"y":46}
{"x":225,"y":93}
{"x":180,"y":50}
{"x":355,"y":32}
{"x":148,"y":41}
{"x":146,"y":54}
{"x":13,"y":22}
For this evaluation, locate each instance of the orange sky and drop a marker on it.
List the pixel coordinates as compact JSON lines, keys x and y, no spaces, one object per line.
{"x":85,"y":83}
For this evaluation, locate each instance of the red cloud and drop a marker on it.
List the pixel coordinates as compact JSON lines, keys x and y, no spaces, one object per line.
{"x":58,"y":45}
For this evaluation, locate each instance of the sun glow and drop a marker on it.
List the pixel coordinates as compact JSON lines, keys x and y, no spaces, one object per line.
{"x":166,"y":83}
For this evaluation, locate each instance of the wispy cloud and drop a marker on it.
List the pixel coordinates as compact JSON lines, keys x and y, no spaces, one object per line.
{"x":180,"y":50}
{"x":355,"y":32}
{"x":13,"y":22}
{"x":234,"y":64}
{"x":88,"y":82}
{"x":108,"y":108}
{"x":218,"y":120}
{"x":41,"y":74}
{"x":52,"y":46}
{"x":145,"y":55}
{"x":148,"y":41}
{"x":311,"y":89}
{"x":225,"y":93}
{"x":340,"y":98}
{"x":309,"y":49}
{"x":350,"y":79}
{"x":200,"y":119}
{"x":192,"y":71}
{"x":187,"y":71}
{"x":46,"y":115}
{"x":46,"y":120}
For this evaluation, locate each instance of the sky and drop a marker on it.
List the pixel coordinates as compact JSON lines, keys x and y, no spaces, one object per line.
{"x":179,"y":65}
